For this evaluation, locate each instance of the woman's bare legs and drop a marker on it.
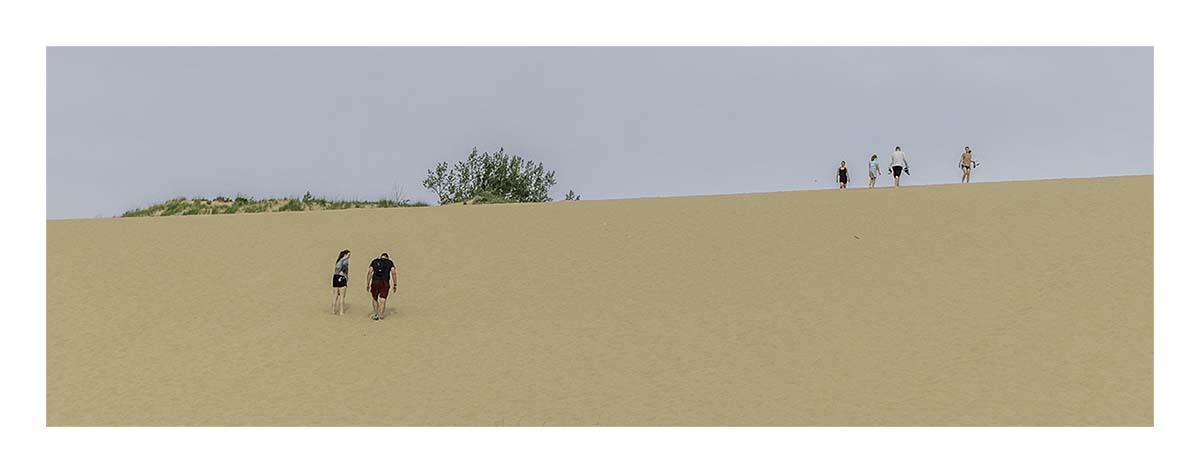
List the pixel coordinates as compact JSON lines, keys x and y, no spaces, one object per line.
{"x":333,"y":307}
{"x":339,"y":297}
{"x":341,"y":300}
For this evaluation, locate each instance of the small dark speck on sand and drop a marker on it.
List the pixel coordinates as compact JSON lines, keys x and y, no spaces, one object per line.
{"x":856,"y":237}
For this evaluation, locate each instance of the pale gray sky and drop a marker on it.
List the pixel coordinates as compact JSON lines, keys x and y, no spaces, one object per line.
{"x":128,"y":127}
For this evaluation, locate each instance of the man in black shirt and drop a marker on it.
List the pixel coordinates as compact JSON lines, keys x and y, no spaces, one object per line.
{"x":382,"y":271}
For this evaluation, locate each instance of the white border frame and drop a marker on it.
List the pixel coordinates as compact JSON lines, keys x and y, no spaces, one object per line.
{"x":28,"y":28}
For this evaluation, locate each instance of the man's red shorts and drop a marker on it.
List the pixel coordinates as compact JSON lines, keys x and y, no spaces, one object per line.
{"x":379,"y":288}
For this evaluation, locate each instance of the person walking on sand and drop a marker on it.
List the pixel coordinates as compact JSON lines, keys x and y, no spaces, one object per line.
{"x":382,"y":272}
{"x":843,"y":175}
{"x":899,"y":164}
{"x":966,"y":163}
{"x":873,"y":170}
{"x":341,"y":274}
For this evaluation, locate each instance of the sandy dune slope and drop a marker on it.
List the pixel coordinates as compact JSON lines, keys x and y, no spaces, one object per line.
{"x":1021,"y":303}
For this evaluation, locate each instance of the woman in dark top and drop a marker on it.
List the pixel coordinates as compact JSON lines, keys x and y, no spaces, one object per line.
{"x":341,"y":273}
{"x":843,"y":175}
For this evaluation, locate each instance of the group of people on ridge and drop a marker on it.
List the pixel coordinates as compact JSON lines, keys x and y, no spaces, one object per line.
{"x":899,"y":165}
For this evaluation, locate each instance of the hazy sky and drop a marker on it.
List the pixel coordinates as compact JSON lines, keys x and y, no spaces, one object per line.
{"x":128,"y":127}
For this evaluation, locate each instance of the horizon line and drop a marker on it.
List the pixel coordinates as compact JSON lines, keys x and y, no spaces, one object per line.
{"x":435,"y":205}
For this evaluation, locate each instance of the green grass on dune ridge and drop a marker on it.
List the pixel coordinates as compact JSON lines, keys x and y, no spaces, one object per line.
{"x":242,"y":204}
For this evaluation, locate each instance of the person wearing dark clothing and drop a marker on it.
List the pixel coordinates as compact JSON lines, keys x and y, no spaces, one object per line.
{"x":381,"y":273}
{"x":843,"y":176}
{"x":341,"y":271}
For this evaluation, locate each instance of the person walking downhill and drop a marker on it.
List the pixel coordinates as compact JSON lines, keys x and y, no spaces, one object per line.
{"x":899,"y":164}
{"x":966,"y":163}
{"x":843,"y":175}
{"x":382,"y":272}
{"x":341,"y":273}
{"x":873,"y":170}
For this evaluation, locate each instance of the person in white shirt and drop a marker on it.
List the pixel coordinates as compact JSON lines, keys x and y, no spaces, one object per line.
{"x":899,"y":164}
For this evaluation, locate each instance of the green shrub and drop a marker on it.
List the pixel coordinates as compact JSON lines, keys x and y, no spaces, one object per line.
{"x":487,"y":197}
{"x":174,"y":206}
{"x":241,"y":204}
{"x":503,"y":177}
{"x":292,"y":205}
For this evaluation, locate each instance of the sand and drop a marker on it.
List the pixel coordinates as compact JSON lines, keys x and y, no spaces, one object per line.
{"x":1019,"y":303}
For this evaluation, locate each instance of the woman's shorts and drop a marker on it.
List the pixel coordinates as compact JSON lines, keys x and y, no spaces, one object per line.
{"x":339,"y":280}
{"x":896,"y":170}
